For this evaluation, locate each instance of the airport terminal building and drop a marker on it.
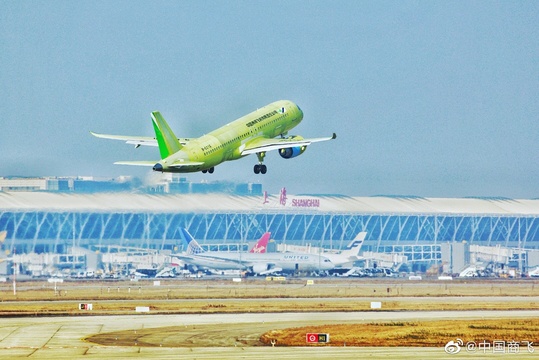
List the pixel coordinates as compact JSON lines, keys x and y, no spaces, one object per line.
{"x":412,"y":226}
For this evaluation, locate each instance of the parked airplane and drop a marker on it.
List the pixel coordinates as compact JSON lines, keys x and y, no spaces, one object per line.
{"x":350,"y":254}
{"x":534,"y":273}
{"x":258,"y":263}
{"x":256,"y":133}
{"x":259,"y":247}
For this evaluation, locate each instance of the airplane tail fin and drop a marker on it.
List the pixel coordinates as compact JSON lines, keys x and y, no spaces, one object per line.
{"x":355,"y":245}
{"x":166,"y":140}
{"x":192,"y":245}
{"x":361,"y":236}
{"x":262,"y":244}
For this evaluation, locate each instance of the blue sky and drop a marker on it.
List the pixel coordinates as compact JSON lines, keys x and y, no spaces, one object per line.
{"x":428,"y":98}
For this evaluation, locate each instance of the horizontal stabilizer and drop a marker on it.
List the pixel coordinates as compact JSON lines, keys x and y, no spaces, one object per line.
{"x":136,"y":163}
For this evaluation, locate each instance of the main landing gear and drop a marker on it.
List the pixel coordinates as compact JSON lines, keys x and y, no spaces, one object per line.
{"x":210,"y":170}
{"x":260,"y":168}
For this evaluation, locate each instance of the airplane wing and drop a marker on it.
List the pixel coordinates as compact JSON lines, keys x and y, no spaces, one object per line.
{"x":271,"y":271}
{"x":136,"y":140}
{"x":262,"y":144}
{"x":212,"y":262}
{"x":152,"y":163}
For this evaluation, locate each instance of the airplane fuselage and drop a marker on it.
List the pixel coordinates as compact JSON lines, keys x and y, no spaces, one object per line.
{"x":227,"y":142}
{"x":265,"y":261}
{"x":257,"y":133}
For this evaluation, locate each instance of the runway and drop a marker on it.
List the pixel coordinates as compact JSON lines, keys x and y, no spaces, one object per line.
{"x":62,"y":337}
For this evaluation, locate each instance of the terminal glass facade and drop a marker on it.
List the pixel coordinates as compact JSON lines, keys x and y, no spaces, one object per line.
{"x":42,"y":231}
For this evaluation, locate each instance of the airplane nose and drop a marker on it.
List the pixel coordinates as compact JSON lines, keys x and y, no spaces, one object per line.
{"x":300,"y":112}
{"x":158,"y":167}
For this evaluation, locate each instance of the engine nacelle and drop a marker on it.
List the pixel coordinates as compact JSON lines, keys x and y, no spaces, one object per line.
{"x":289,"y":153}
{"x":292,"y":152}
{"x":260,"y":268}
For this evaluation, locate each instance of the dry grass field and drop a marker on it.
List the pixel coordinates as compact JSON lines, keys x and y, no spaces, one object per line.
{"x":259,"y":295}
{"x":420,"y":334}
{"x":108,"y":307}
{"x":260,"y":288}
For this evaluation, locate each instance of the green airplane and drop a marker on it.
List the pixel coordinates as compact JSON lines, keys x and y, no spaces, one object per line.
{"x":263,"y":130}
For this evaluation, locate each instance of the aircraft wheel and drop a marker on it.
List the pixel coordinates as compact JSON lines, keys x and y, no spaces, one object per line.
{"x":210,"y":170}
{"x":263,"y":169}
{"x":204,"y":171}
{"x":257,"y":169}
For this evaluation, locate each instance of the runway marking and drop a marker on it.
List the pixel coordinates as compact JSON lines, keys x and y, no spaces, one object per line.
{"x":8,"y":334}
{"x":52,"y":336}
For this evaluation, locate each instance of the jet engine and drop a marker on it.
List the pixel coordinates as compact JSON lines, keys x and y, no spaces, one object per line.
{"x":292,"y":152}
{"x":260,"y":268}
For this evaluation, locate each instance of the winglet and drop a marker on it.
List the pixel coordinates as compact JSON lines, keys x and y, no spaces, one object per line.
{"x":167,"y":141}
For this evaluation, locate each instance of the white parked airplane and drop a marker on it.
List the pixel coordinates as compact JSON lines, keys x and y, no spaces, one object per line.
{"x":350,"y":254}
{"x":534,"y":273}
{"x":258,"y":263}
